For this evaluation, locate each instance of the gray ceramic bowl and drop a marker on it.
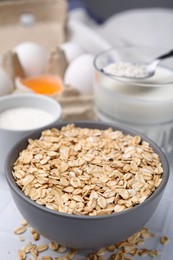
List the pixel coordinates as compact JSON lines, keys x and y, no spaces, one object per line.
{"x":84,"y":232}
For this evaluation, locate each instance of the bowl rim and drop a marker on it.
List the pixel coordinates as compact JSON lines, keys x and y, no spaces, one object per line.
{"x":88,"y":124}
{"x":133,"y":82}
{"x":37,"y":97}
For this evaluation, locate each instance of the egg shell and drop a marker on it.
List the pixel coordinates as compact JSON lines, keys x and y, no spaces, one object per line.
{"x":6,"y":84}
{"x":33,"y":57}
{"x":72,"y":50}
{"x":79,"y":74}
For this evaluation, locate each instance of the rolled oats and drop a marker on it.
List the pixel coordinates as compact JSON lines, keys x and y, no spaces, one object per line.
{"x":42,"y":248}
{"x":20,"y":230}
{"x":24,"y":223}
{"x":21,"y":238}
{"x":46,"y":258}
{"x":21,"y":254}
{"x":87,"y":171}
{"x":110,"y":248}
{"x":163,"y":240}
{"x":125,"y":250}
{"x":62,"y":249}
{"x":54,"y":246}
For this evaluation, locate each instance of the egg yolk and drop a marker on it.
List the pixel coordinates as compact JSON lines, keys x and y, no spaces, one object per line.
{"x":45,"y":84}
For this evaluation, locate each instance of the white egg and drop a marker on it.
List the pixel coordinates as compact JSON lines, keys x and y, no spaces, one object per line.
{"x":79,"y":74}
{"x":6,"y":84}
{"x":72,"y":50}
{"x":33,"y":57}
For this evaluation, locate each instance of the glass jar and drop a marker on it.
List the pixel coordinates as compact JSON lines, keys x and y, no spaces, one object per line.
{"x":143,"y":104}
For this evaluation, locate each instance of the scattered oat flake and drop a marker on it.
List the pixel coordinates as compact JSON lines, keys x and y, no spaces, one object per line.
{"x":27,"y":247}
{"x":54,"y":246}
{"x":163,"y":240}
{"x":101,"y":251}
{"x":71,"y":254}
{"x":20,"y":230}
{"x":46,"y":258}
{"x":21,"y":254}
{"x":62,"y":249}
{"x":21,"y":238}
{"x":153,"y":253}
{"x":110,"y":248}
{"x":24,"y":222}
{"x":124,"y":250}
{"x":42,"y":248}
{"x":35,"y":234}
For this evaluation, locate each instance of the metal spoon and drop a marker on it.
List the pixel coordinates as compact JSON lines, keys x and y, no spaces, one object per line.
{"x":146,"y":70}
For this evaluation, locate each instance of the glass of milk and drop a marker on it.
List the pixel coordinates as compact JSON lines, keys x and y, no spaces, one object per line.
{"x":143,"y":104}
{"x":22,"y":113}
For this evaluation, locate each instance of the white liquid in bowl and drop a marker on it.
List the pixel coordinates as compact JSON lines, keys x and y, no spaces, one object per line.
{"x":24,"y":118}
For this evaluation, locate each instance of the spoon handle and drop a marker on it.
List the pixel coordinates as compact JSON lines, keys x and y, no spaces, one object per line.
{"x":167,"y":55}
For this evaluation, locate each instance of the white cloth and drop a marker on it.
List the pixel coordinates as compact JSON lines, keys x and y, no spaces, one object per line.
{"x":145,"y":26}
{"x":82,"y":30}
{"x":152,"y":26}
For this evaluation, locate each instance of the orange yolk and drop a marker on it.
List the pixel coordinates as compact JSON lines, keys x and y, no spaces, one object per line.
{"x":44,"y":84}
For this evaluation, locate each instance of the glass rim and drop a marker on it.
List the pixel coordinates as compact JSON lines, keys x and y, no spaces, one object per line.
{"x":132,"y":82}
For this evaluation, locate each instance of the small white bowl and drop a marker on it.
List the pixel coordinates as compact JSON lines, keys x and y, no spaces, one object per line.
{"x":9,"y":136}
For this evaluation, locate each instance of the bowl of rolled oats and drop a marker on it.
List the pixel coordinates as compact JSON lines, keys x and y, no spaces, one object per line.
{"x":86,"y":184}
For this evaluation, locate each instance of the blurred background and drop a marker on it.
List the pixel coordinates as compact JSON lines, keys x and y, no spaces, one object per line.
{"x":103,"y":9}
